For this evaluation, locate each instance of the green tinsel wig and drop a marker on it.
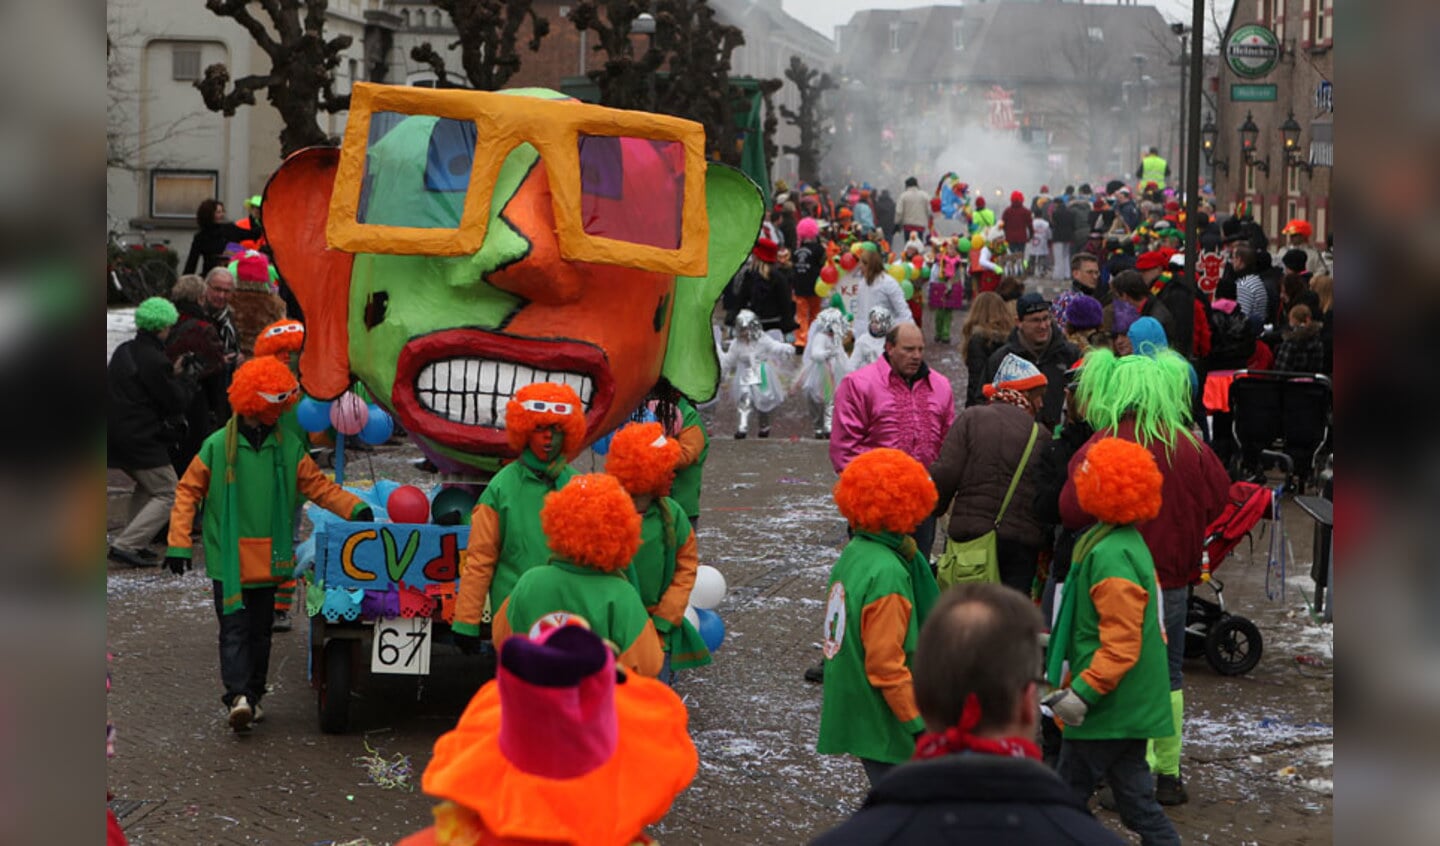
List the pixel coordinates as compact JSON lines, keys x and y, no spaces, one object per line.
{"x":1154,"y":390}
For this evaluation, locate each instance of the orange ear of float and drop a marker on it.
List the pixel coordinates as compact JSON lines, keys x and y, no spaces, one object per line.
{"x":296,"y":206}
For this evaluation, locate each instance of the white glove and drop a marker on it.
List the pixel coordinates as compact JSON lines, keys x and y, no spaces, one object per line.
{"x":1068,"y":706}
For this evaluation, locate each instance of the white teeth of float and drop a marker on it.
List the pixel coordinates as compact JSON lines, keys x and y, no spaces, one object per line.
{"x":473,"y":391}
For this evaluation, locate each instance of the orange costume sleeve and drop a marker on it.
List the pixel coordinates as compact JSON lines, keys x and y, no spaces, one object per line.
{"x":692,"y":443}
{"x":883,"y":624}
{"x":189,"y":493}
{"x":500,"y":625}
{"x":322,"y":491}
{"x":481,"y":553}
{"x":671,"y":606}
{"x":645,"y":656}
{"x":1121,"y":606}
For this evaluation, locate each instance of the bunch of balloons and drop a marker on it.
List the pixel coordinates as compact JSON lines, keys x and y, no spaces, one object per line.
{"x":349,"y":415}
{"x":708,"y":592}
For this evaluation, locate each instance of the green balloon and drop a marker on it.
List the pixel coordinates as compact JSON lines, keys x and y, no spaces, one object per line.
{"x":907,"y":289}
{"x":963,"y":245}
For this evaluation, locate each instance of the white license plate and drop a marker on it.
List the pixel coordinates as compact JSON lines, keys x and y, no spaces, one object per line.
{"x":402,"y":646}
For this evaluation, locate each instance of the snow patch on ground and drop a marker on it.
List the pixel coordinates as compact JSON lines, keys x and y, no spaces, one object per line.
{"x":159,"y":590}
{"x":119,"y":328}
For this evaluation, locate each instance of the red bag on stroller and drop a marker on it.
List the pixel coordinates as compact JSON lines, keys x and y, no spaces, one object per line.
{"x":1249,"y":504}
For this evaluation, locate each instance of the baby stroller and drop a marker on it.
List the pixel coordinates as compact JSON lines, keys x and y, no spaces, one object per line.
{"x":1231,"y":644}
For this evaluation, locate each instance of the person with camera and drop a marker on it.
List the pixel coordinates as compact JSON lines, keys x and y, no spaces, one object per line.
{"x":148,"y":396}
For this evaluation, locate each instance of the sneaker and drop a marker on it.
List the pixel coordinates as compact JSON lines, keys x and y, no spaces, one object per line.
{"x":815,"y":674}
{"x":241,"y":714}
{"x":740,"y":436}
{"x":1170,"y":790}
{"x":820,"y":436}
{"x":281,"y":624}
{"x":259,"y":714}
{"x":135,"y":558}
{"x":765,"y":432}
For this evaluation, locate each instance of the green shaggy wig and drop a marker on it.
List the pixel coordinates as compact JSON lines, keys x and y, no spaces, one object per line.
{"x":154,"y":314}
{"x":1154,"y":390}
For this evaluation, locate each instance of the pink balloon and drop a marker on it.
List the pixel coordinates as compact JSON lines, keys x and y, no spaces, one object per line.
{"x":348,"y":414}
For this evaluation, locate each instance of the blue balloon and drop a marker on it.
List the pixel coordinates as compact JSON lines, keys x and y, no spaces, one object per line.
{"x":379,"y":426}
{"x":313,"y":415}
{"x":602,"y":446}
{"x":712,"y":628}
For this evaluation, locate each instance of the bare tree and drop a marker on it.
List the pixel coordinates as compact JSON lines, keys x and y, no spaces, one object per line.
{"x":811,"y":119}
{"x":768,"y":89}
{"x":301,"y":80}
{"x":127,"y":146}
{"x":624,"y":79}
{"x":489,"y":32}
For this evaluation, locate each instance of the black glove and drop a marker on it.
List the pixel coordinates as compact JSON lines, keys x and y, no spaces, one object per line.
{"x":177,"y":564}
{"x":364,"y":515}
{"x":468,"y":644}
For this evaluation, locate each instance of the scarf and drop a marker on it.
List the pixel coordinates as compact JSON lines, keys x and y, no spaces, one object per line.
{"x":1060,"y":634}
{"x":922,"y":581}
{"x":959,"y":738}
{"x":1014,"y":397}
{"x":281,"y":509}
{"x":551,"y":466}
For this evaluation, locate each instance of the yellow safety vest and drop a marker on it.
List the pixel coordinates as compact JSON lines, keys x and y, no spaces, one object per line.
{"x":1152,"y":169}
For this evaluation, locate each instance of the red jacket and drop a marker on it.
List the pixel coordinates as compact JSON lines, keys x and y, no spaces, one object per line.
{"x":1019,"y":223}
{"x":1195,"y":490}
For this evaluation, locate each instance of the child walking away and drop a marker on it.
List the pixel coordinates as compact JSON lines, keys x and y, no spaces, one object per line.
{"x":825,"y":365}
{"x":881,"y":590}
{"x":561,"y":748}
{"x":1116,"y":693}
{"x":250,"y":476}
{"x":1037,"y":251}
{"x":947,"y":290}
{"x":750,"y":358}
{"x":643,"y":460}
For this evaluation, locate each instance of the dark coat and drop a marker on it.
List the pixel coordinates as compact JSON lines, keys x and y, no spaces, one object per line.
{"x":198,"y":333}
{"x":808,"y":260}
{"x":971,"y":799}
{"x":976,"y":463}
{"x":1062,"y":224}
{"x":1053,"y":361}
{"x":1053,"y":472}
{"x":977,"y":358}
{"x":1178,"y":298}
{"x":207,"y":248}
{"x":770,"y":299}
{"x":146,"y":404}
{"x":885,"y":213}
{"x":1232,"y":341}
{"x":1080,"y":217}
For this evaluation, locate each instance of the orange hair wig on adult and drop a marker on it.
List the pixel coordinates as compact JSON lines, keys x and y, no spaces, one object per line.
{"x":592,"y":522}
{"x":521,"y":422}
{"x":885,"y":490}
{"x":263,"y":387}
{"x":1119,"y":482}
{"x":280,"y":338}
{"x":643,"y":459}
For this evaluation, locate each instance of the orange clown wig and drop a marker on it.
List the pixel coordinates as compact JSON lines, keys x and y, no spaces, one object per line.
{"x":1118,"y":482}
{"x":885,"y":490}
{"x":546,"y":404}
{"x":592,"y":522}
{"x":643,"y":459}
{"x":281,"y":338}
{"x":263,"y":387}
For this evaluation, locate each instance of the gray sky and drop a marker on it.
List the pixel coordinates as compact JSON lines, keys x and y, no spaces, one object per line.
{"x":825,"y":15}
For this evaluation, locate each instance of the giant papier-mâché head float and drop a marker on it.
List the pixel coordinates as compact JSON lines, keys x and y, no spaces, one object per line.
{"x":463,"y":244}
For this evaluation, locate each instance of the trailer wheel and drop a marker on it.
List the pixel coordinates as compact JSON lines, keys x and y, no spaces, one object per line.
{"x":334,"y":694}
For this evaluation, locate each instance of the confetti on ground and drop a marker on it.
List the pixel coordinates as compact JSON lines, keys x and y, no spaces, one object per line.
{"x":388,"y":773}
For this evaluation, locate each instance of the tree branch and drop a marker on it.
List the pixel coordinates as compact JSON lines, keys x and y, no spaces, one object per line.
{"x":236,"y":11}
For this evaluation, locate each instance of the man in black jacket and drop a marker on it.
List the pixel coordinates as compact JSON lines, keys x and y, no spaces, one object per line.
{"x":1037,"y":340}
{"x":977,"y":777}
{"x":145,"y":414}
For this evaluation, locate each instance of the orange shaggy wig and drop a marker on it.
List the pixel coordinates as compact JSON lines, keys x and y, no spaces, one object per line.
{"x":521,"y":422}
{"x":258,"y":377}
{"x":1119,"y":483}
{"x":280,"y":338}
{"x":592,"y":522}
{"x":643,"y":459}
{"x":885,"y":490}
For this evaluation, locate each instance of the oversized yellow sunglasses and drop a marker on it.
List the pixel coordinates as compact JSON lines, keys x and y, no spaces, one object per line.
{"x":628,"y":188}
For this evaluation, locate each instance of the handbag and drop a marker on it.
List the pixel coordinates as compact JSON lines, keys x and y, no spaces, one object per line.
{"x":976,"y":560}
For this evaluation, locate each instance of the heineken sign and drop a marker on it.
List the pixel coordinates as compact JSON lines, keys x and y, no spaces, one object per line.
{"x":1252,"y":51}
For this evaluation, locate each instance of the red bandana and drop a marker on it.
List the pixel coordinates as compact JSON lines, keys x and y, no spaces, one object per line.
{"x":959,"y":739}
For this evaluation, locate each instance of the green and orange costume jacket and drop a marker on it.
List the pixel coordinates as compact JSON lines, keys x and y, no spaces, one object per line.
{"x":877,"y":602}
{"x":250,"y":497}
{"x":663,"y":572}
{"x":1109,"y":631}
{"x":694,"y":448}
{"x":505,"y":536}
{"x":606,"y":601}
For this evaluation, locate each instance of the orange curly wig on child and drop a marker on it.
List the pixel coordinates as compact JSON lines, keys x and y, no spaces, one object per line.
{"x":280,"y":338}
{"x":643,"y":459}
{"x":263,"y":387}
{"x":1119,"y":482}
{"x":523,"y":415}
{"x":885,"y":490}
{"x":592,"y":522}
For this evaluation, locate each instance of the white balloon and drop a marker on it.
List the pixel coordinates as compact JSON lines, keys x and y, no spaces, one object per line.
{"x":709,"y":587}
{"x":692,"y":616}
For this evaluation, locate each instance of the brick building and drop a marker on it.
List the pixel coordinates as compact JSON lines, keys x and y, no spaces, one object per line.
{"x":1304,"y":30}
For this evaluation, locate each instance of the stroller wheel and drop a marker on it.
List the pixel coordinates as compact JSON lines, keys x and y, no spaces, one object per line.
{"x":1233,"y":646}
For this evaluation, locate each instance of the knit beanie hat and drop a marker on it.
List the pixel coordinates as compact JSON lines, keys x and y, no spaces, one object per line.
{"x":1122,"y":315}
{"x":1084,"y":312}
{"x":1016,"y":374}
{"x":252,"y":267}
{"x":154,"y":314}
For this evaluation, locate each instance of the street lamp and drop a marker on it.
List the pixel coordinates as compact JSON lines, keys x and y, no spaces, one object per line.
{"x":1290,"y":137}
{"x":1249,"y":134}
{"x":1209,"y":134}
